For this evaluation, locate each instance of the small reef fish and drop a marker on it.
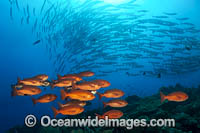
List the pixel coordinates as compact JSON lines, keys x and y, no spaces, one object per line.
{"x":44,"y":99}
{"x":115,"y":103}
{"x":72,"y":102}
{"x":113,"y":93}
{"x":69,"y":76}
{"x":102,"y":83}
{"x":68,"y":110}
{"x":86,"y":74}
{"x":62,"y":83}
{"x":81,"y":95}
{"x":31,"y":81}
{"x":26,"y":90}
{"x":112,"y":114}
{"x":92,"y":86}
{"x":174,"y":96}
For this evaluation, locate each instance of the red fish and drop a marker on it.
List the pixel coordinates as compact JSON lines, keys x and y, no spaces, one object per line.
{"x":113,"y":93}
{"x":112,"y":114}
{"x":174,"y":96}
{"x":45,"y":99}
{"x":68,"y":110}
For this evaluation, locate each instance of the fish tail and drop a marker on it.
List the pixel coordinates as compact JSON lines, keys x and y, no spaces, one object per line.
{"x":34,"y":101}
{"x":104,"y":104}
{"x":100,"y":95}
{"x":74,"y":86}
{"x":52,"y":85}
{"x":60,"y":105}
{"x":59,"y":76}
{"x":162,"y":96}
{"x":18,"y":79}
{"x":55,"y":111}
{"x":63,"y":94}
{"x":14,"y":92}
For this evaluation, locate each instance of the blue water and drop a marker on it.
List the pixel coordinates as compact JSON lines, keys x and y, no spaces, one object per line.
{"x":19,"y":58}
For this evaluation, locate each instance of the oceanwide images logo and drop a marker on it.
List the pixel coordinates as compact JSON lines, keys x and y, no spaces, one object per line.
{"x":46,"y":121}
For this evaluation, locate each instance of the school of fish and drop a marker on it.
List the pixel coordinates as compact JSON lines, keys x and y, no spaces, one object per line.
{"x":75,"y":91}
{"x":111,"y":39}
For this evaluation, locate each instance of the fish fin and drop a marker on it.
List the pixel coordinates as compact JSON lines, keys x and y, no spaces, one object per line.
{"x":52,"y":85}
{"x":55,"y":111}
{"x":74,"y":86}
{"x":18,"y":79}
{"x":162,"y":96}
{"x":34,"y":101}
{"x":99,"y":116}
{"x":63,"y":94}
{"x":104,"y":104}
{"x":14,"y":92}
{"x":60,"y":105}
{"x":100,"y":95}
{"x":13,"y":86}
{"x":59,"y":76}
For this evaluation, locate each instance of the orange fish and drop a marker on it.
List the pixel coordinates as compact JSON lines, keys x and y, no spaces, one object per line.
{"x":81,"y":95}
{"x":68,"y":110}
{"x":86,"y":74}
{"x":41,"y":77}
{"x":72,"y":102}
{"x":92,"y":86}
{"x":113,"y":93}
{"x":44,"y":99}
{"x":26,"y":90}
{"x":31,"y":81}
{"x":112,"y":114}
{"x":102,"y":83}
{"x":115,"y":103}
{"x":70,"y":76}
{"x":63,"y":83}
{"x":174,"y":96}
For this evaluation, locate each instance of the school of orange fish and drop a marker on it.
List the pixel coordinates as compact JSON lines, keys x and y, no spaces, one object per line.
{"x":79,"y":92}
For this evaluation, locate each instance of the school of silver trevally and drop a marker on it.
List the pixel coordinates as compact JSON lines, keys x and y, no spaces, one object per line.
{"x":91,"y":35}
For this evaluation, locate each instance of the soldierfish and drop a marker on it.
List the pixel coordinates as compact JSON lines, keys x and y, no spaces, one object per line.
{"x":72,"y":102}
{"x":31,"y":81}
{"x":63,"y":83}
{"x":112,"y":114}
{"x":68,"y":110}
{"x":177,"y":96}
{"x":102,"y":83}
{"x":44,"y":99}
{"x":113,"y":93}
{"x":86,"y":74}
{"x":81,"y":95}
{"x":26,"y":90}
{"x":69,"y":76}
{"x":115,"y":103}
{"x":92,"y":86}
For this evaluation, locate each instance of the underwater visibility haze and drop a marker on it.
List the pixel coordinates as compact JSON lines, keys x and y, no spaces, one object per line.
{"x":74,"y":58}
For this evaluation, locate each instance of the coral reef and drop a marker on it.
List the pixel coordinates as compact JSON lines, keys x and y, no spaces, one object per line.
{"x":186,"y":115}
